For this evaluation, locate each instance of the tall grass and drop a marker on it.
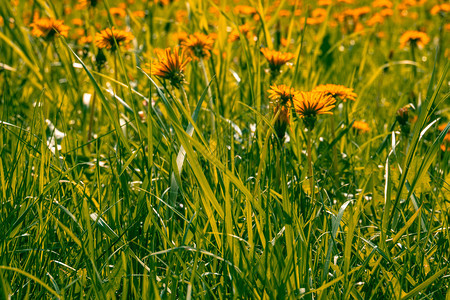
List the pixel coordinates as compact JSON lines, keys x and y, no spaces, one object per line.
{"x":159,"y":205}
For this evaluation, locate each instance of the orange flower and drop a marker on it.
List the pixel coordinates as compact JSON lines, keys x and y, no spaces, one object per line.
{"x":170,"y":66}
{"x":414,"y":37}
{"x":284,"y":13}
{"x":77,"y":22}
{"x":313,"y":103}
{"x":375,"y":19}
{"x":336,"y":91}
{"x":243,"y":29}
{"x":244,"y":10}
{"x":382,"y":3}
{"x":443,"y":8}
{"x":139,"y":14}
{"x":318,"y":16}
{"x":49,"y":28}
{"x":180,"y":37}
{"x":105,"y":38}
{"x":324,"y":2}
{"x":163,"y":2}
{"x":386,"y":12}
{"x":198,"y":45}
{"x":446,"y":144}
{"x":281,"y":96}
{"x":442,"y":127}
{"x":118,"y":12}
{"x":82,"y":4}
{"x":310,"y":104}
{"x":276,"y":59}
{"x":181,"y":16}
{"x":85,"y":40}
{"x":361,"y":126}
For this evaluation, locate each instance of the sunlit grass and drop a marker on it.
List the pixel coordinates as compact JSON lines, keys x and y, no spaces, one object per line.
{"x":130,"y":171}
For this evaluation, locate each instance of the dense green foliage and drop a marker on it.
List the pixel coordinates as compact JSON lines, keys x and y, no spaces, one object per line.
{"x":140,"y":197}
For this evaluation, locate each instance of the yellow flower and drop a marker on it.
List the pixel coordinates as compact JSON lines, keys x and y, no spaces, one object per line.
{"x":244,"y":10}
{"x":276,"y":59}
{"x":82,"y":4}
{"x":446,"y":143}
{"x":324,"y":2}
{"x":310,"y":104}
{"x":382,"y":3}
{"x":77,"y":22}
{"x":49,"y":28}
{"x":442,"y":8}
{"x":85,"y":40}
{"x":139,"y":14}
{"x":318,"y":16}
{"x":243,"y":29}
{"x":180,"y":37}
{"x":170,"y":66}
{"x":387,"y":12}
{"x":361,"y":126}
{"x":375,"y":19}
{"x":198,"y":45}
{"x":281,"y":96}
{"x":336,"y":91}
{"x":105,"y":38}
{"x":118,"y":12}
{"x":414,"y":37}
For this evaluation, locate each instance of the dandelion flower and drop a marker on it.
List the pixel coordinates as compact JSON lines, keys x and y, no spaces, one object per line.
{"x":49,"y":28}
{"x":82,"y":4}
{"x":244,"y":29}
{"x":446,"y":143}
{"x":198,"y":45}
{"x":318,"y":16}
{"x":138,"y":14}
{"x":382,"y":3}
{"x":118,"y":12}
{"x":84,"y":40}
{"x":276,"y":59}
{"x":414,"y":37}
{"x":402,"y":117}
{"x":180,"y":37}
{"x":324,"y":2}
{"x":282,"y":96}
{"x":386,"y":12}
{"x":170,"y":66}
{"x":440,"y":8}
{"x":105,"y":38}
{"x":337,"y":91}
{"x":310,"y":104}
{"x":375,"y":19}
{"x":244,"y":10}
{"x":361,"y":127}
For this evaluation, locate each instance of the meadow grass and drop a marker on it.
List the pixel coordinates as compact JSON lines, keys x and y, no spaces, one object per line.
{"x":112,"y":187}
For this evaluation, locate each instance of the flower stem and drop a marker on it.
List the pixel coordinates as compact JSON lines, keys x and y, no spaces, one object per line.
{"x":310,"y":171}
{"x":117,"y":86}
{"x":44,"y":62}
{"x":413,"y":58}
